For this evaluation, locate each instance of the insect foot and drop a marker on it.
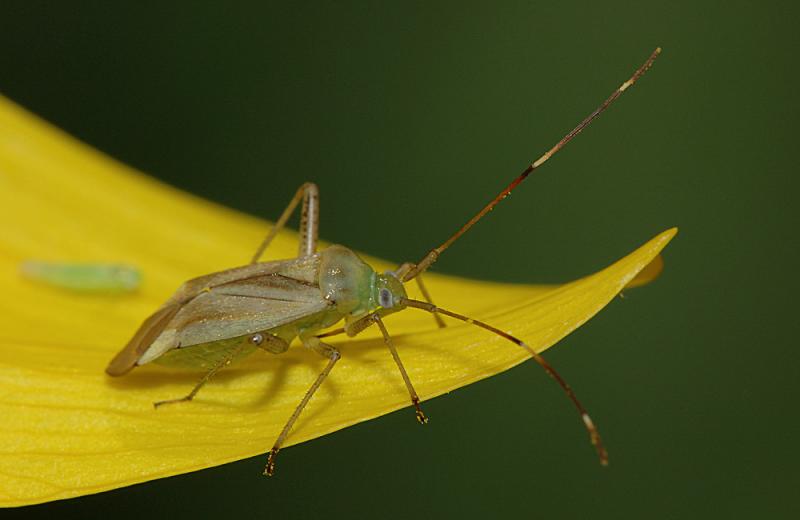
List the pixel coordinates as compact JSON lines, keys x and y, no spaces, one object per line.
{"x":171,"y":401}
{"x":270,"y":469}
{"x":420,"y":414}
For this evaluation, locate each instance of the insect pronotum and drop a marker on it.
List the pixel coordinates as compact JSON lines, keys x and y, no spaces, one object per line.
{"x":303,"y":297}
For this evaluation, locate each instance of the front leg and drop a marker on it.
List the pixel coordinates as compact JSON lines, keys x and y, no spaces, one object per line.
{"x":360,"y":324}
{"x":401,"y":273}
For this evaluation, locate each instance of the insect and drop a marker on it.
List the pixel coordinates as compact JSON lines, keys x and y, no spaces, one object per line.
{"x":216,"y":319}
{"x":84,"y":277}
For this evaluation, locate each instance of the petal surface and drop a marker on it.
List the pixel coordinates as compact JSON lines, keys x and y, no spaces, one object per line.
{"x":70,"y":430}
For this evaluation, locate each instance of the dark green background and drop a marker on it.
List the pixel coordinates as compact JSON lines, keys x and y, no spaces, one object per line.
{"x":409,"y":116}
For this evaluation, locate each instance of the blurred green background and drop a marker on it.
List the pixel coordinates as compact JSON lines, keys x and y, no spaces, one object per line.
{"x":410,"y":116}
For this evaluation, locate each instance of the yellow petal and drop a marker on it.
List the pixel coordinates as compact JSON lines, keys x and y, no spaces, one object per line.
{"x":650,"y":272}
{"x":70,"y":430}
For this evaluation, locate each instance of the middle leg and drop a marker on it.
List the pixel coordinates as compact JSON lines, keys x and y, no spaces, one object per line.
{"x":333,"y":356}
{"x":222,"y":363}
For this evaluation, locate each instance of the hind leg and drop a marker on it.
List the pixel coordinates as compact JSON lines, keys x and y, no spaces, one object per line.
{"x":309,"y":222}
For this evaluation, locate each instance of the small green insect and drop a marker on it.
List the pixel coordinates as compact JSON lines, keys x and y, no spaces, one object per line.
{"x":219,"y":318}
{"x":84,"y":277}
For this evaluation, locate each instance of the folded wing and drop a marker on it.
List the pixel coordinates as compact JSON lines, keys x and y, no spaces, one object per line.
{"x":243,"y":306}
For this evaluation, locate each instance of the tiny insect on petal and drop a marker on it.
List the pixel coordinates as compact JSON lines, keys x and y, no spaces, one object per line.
{"x":84,"y":277}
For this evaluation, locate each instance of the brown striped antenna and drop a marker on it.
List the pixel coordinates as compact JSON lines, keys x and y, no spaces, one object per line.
{"x":594,"y":435}
{"x":433,"y":254}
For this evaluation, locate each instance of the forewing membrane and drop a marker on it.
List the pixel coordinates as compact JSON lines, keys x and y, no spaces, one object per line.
{"x":223,"y":305}
{"x":240,"y":309}
{"x":151,"y":329}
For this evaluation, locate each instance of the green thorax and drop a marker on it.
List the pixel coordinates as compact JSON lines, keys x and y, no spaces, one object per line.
{"x":354,"y":287}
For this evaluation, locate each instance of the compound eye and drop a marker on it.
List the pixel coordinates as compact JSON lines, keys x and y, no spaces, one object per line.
{"x":385,"y":298}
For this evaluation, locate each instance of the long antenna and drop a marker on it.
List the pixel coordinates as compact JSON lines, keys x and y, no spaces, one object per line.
{"x":594,"y":435}
{"x":433,"y":254}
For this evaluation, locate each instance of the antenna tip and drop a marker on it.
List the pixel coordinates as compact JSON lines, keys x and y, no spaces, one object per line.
{"x":658,"y":50}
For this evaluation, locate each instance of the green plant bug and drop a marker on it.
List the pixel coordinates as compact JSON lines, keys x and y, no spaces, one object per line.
{"x":219,"y":318}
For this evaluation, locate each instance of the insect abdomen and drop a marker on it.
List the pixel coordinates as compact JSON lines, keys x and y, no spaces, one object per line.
{"x":207,"y":355}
